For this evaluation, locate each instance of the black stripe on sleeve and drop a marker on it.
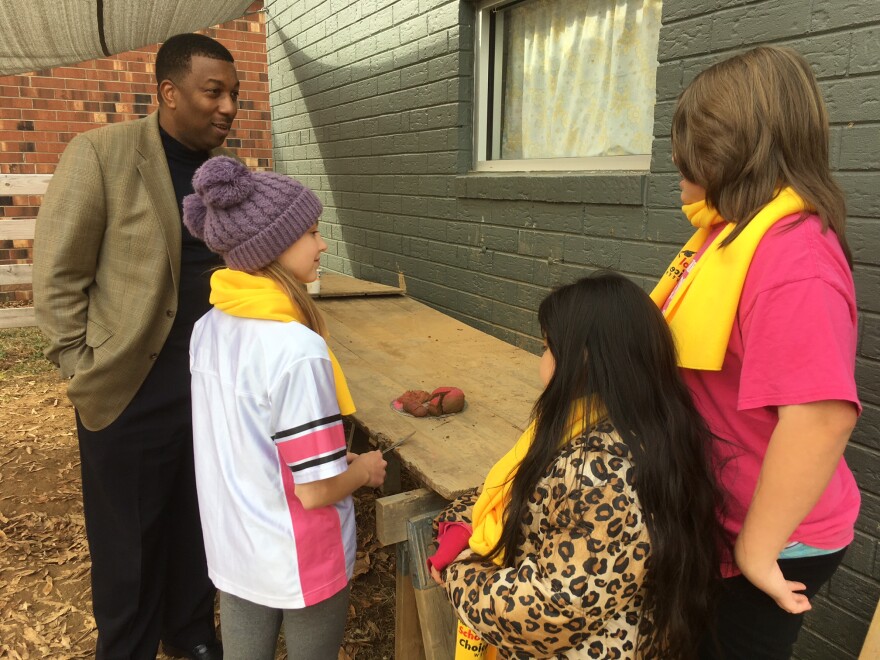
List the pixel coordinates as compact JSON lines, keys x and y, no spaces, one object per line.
{"x":306,"y":427}
{"x":318,"y":461}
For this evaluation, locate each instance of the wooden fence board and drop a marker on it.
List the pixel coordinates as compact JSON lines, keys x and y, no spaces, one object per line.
{"x":17,"y":317}
{"x":15,"y":229}
{"x":16,"y":274}
{"x":24,"y":184}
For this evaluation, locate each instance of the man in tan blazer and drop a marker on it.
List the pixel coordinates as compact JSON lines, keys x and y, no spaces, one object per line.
{"x":118,"y":284}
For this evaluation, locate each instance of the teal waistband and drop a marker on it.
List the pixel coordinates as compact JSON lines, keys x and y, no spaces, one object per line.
{"x":798,"y":550}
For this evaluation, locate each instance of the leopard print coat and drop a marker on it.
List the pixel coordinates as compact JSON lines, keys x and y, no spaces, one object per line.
{"x":576,"y":587}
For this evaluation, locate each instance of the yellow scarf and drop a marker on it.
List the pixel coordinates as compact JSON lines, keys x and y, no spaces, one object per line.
{"x":488,"y":515}
{"x":254,"y":297}
{"x":702,"y":309}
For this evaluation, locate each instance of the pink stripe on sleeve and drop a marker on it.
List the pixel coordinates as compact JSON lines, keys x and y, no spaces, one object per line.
{"x":310,"y":445}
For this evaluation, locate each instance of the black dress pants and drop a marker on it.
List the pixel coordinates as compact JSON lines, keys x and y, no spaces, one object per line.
{"x":751,"y":626}
{"x":149,"y":576}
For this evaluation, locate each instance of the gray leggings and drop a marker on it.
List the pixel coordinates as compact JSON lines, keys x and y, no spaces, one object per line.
{"x":250,"y":631}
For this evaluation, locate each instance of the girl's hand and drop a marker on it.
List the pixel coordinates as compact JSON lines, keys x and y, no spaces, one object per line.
{"x":373,"y":466}
{"x":464,"y":554}
{"x":768,"y":578}
{"x":804,"y":451}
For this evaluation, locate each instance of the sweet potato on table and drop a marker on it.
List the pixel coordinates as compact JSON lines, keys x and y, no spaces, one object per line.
{"x":445,"y":401}
{"x":413,"y":402}
{"x":442,"y":401}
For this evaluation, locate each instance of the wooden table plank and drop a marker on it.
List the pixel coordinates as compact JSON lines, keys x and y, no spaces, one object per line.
{"x":427,"y":349}
{"x":393,"y":512}
{"x":389,"y":345}
{"x":336,"y":285}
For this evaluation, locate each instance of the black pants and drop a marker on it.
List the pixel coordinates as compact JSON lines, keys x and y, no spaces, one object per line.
{"x":751,"y":626}
{"x":149,"y":576}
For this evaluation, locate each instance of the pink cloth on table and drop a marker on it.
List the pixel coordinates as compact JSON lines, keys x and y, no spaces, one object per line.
{"x":452,"y":538}
{"x":793,"y":342}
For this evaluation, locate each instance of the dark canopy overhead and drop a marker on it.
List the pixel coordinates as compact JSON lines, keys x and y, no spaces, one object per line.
{"x":40,"y":34}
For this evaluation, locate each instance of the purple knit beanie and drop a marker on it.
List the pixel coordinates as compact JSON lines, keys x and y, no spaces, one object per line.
{"x":248,"y":218}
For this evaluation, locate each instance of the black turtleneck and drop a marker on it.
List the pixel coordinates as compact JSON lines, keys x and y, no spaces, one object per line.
{"x":196,"y":260}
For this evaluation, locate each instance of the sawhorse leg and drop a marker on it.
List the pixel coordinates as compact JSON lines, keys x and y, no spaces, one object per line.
{"x":407,"y":630}
{"x":425,"y":621}
{"x":436,"y":617}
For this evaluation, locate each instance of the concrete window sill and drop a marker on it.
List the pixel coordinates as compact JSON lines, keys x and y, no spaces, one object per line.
{"x":572,"y":187}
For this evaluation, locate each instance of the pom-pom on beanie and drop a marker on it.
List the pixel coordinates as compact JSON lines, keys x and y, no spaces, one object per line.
{"x":248,"y":218}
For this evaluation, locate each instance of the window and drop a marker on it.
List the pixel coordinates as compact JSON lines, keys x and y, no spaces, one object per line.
{"x":565,"y":84}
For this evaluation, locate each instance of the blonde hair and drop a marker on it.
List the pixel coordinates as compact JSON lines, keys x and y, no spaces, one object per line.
{"x":298,"y":295}
{"x":752,"y":124}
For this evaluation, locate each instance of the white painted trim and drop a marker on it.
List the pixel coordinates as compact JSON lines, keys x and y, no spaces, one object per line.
{"x":489,"y":4}
{"x":498,"y":91}
{"x":481,"y":73}
{"x":596,"y":163}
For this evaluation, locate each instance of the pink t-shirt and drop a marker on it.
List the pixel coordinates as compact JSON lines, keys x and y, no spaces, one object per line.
{"x":793,"y":341}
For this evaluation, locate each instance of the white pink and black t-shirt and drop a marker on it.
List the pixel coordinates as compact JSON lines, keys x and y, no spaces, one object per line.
{"x":265,"y":417}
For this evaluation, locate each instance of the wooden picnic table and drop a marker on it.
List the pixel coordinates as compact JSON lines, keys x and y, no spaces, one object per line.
{"x":388,"y":343}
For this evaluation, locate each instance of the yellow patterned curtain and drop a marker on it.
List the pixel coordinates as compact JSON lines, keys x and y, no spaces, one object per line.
{"x":579,"y":78}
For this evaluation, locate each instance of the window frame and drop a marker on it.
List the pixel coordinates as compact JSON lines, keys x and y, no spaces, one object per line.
{"x":485,"y":52}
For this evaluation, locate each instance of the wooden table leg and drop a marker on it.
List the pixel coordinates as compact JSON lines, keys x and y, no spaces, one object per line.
{"x":425,"y":621}
{"x":392,"y":484}
{"x":436,"y":616}
{"x":407,"y":631}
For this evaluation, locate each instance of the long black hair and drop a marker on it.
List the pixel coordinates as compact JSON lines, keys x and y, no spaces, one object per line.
{"x":613,"y":347}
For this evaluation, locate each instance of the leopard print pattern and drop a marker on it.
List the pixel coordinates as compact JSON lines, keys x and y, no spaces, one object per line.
{"x":575,"y":590}
{"x":460,"y":509}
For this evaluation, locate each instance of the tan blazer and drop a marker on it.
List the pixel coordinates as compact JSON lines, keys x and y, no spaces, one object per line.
{"x":107,"y":264}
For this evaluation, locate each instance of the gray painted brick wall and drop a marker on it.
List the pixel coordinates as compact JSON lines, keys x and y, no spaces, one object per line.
{"x":371,"y":104}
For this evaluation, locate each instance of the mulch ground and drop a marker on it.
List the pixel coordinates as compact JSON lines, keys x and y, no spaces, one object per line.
{"x":45,"y":599}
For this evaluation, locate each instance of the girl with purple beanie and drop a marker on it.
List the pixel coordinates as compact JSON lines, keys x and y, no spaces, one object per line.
{"x":273,"y":475}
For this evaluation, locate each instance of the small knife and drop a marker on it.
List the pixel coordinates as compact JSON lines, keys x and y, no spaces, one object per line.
{"x":398,"y":443}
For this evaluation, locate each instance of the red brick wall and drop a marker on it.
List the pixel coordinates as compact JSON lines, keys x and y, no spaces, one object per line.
{"x":40,"y":112}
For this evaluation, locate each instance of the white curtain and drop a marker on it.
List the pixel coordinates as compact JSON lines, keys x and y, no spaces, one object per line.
{"x":580,"y":78}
